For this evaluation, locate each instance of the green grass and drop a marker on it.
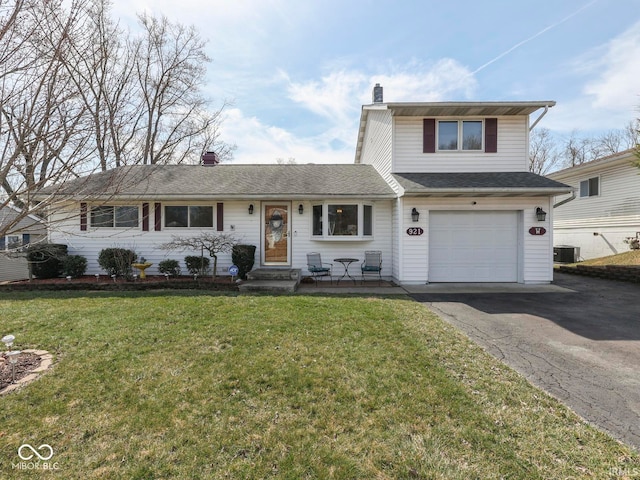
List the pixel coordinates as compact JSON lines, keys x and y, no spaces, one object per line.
{"x":191,"y":385}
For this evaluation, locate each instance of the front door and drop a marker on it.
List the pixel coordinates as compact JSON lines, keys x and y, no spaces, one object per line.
{"x":276,"y":247}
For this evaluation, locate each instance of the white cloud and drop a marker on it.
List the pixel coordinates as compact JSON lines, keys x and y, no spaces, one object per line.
{"x":611,"y":96}
{"x":335,"y":101}
{"x":260,"y":143}
{"x":617,"y":87}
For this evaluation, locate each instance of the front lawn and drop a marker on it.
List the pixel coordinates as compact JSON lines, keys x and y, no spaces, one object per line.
{"x":192,"y":385}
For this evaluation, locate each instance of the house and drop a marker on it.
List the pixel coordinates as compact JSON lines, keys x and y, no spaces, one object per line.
{"x":606,"y":208}
{"x":441,"y":189}
{"x":24,"y":231}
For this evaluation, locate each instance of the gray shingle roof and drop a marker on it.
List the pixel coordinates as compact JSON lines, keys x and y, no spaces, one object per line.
{"x":495,"y":183}
{"x":230,"y":181}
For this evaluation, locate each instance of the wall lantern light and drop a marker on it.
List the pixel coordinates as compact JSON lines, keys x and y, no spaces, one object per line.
{"x":300,"y":209}
{"x":415,"y":214}
{"x":541,"y":215}
{"x":251,"y":209}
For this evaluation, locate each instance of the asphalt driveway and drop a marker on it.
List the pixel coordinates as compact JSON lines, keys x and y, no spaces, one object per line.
{"x":580,"y":342}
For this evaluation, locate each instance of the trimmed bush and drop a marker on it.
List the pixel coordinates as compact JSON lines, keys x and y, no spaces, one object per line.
{"x":196,"y":264}
{"x":117,"y":261}
{"x":74,"y":266}
{"x":46,"y":259}
{"x":172,"y":267}
{"x":243,"y":257}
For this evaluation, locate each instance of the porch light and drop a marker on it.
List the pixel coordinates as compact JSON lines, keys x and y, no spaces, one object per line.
{"x":415,"y":214}
{"x":251,"y":209}
{"x":300,"y":209}
{"x":8,"y":341}
{"x":541,"y":215}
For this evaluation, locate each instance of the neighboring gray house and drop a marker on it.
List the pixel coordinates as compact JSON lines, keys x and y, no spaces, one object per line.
{"x":28,"y":230}
{"x":441,"y":189}
{"x":606,"y":209}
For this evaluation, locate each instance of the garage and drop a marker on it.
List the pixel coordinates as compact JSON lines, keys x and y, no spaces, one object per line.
{"x":478,"y":246}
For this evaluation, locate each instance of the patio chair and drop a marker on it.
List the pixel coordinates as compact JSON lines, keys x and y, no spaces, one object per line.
{"x":372,"y":264}
{"x":317,"y":268}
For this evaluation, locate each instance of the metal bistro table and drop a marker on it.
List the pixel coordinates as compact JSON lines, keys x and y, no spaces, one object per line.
{"x":345,"y":263}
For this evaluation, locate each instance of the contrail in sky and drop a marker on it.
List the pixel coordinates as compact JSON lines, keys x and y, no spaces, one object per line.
{"x":517,"y":45}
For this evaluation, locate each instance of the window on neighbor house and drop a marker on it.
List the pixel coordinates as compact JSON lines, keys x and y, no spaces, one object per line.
{"x":342,"y":220}
{"x":109,"y":216}
{"x":590,"y":188}
{"x":454,"y":135}
{"x":192,"y":216}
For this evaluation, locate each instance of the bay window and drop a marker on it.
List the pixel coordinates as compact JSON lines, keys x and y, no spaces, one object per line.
{"x":342,"y":220}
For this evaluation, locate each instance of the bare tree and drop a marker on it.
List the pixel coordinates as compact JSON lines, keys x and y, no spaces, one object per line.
{"x":170,"y":67}
{"x":212,"y":243}
{"x":79,"y":94}
{"x":42,"y":136}
{"x":543,"y":155}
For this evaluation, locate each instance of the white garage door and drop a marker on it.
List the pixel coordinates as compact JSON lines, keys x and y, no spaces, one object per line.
{"x":473,"y":246}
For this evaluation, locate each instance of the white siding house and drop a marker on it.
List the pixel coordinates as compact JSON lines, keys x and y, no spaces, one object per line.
{"x":462,"y":166}
{"x":337,"y":210}
{"x":441,"y":189}
{"x":606,"y":209}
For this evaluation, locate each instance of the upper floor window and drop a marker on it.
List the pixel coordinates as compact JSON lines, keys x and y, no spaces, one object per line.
{"x":191,"y":216}
{"x":590,"y":188}
{"x":114,"y":216}
{"x":342,"y":220}
{"x":460,"y":135}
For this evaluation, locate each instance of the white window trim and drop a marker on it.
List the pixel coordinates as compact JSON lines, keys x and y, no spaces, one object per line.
{"x":460,"y":136}
{"x":587,"y":180}
{"x":343,"y":238}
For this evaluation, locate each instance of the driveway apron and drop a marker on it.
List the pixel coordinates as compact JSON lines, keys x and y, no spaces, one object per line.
{"x":581,"y":344}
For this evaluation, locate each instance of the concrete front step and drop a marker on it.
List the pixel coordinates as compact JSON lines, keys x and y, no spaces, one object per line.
{"x":275,"y":274}
{"x":272,"y":280}
{"x":269,"y":286}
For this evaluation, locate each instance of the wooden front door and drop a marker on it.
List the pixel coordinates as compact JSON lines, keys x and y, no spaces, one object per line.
{"x":276,"y":244}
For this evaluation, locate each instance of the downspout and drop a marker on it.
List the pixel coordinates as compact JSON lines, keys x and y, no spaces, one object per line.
{"x":546,"y":109}
{"x":566,"y":200}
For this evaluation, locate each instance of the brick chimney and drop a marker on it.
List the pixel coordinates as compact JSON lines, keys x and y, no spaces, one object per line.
{"x":210,"y":159}
{"x":377,"y":94}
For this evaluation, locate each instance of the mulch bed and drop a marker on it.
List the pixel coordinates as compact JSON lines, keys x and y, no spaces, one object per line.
{"x":27,"y":362}
{"x":104,"y":282}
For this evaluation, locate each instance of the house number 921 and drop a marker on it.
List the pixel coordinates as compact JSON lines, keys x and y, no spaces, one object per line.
{"x":415,"y":231}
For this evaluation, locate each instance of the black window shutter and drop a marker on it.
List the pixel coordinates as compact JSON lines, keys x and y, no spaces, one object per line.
{"x":429,"y":135}
{"x":220,"y":217}
{"x":490,"y":135}
{"x":26,"y":238}
{"x":83,"y":216}
{"x":145,"y":217}
{"x":157,"y":217}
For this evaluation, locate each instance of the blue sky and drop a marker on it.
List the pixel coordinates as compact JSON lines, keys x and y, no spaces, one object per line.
{"x":297,"y":72}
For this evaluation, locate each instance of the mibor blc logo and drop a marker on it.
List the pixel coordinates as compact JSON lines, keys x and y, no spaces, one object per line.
{"x":35,"y":458}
